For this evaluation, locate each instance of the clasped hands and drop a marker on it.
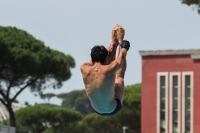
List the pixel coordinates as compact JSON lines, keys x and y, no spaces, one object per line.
{"x":117,"y":33}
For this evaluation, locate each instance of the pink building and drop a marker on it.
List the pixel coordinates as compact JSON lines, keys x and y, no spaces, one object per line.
{"x":170,"y":91}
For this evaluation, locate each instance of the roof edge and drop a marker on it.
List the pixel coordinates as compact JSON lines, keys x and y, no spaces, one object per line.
{"x":192,"y":52}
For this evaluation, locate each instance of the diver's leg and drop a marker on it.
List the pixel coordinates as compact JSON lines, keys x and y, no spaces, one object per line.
{"x":119,"y":81}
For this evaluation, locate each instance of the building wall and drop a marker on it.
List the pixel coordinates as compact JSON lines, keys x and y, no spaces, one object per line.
{"x":4,"y":114}
{"x":150,"y":66}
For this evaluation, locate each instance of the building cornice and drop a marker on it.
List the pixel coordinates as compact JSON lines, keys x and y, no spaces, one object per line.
{"x":194,"y":53}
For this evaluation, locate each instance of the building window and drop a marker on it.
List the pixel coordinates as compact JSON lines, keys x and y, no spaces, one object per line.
{"x":174,"y":102}
{"x":162,"y":102}
{"x":180,"y":117}
{"x":187,"y":102}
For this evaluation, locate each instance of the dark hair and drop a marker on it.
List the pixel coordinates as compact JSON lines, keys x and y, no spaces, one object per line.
{"x":98,"y":53}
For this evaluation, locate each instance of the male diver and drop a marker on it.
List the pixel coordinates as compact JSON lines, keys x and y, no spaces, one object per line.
{"x":103,"y":76}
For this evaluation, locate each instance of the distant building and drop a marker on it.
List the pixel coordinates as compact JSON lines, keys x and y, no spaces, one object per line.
{"x":7,"y":129}
{"x":170,"y":91}
{"x":4,"y":115}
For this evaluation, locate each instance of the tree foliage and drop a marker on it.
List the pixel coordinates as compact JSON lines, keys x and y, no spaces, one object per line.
{"x":47,"y":96}
{"x":102,"y":124}
{"x":40,"y":118}
{"x":76,"y":127}
{"x":25,"y":62}
{"x":48,"y":104}
{"x":196,"y":3}
{"x":128,"y":116}
{"x":76,"y":99}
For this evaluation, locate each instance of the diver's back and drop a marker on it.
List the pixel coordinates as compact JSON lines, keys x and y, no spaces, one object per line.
{"x":99,"y":82}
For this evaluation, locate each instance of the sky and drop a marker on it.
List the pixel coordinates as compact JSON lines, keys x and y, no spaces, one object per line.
{"x":75,"y":26}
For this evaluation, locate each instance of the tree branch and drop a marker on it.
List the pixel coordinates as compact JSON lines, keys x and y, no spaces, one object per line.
{"x":2,"y":102}
{"x":1,"y":92}
{"x":12,"y":84}
{"x":23,"y":88}
{"x":8,"y":89}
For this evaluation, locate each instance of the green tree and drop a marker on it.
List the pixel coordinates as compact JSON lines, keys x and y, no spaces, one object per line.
{"x":102,"y":124}
{"x":47,"y":96}
{"x":76,"y":127}
{"x":192,"y":2}
{"x":25,"y":62}
{"x":69,"y":98}
{"x":79,"y":127}
{"x":62,"y":96}
{"x":76,"y":99}
{"x":40,"y":118}
{"x":48,"y":104}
